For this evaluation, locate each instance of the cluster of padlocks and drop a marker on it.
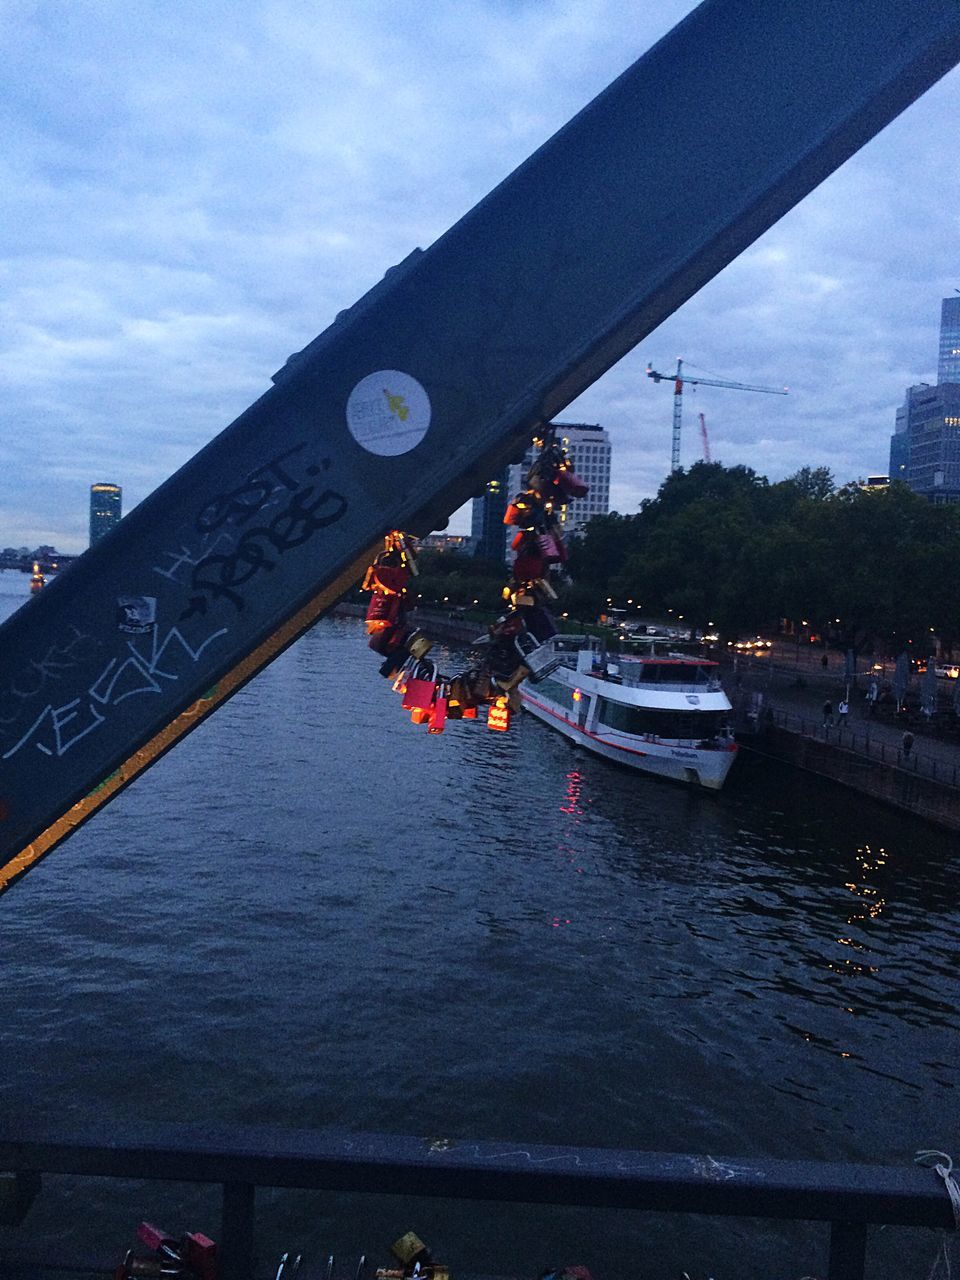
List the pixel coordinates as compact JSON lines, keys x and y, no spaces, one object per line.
{"x":516,"y":646}
{"x":193,"y":1256}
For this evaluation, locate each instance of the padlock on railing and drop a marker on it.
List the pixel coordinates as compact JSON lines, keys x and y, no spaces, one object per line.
{"x":528,"y":567}
{"x":191,"y":1257}
{"x":387,"y":575}
{"x":421,"y":688}
{"x":384,"y":611}
{"x":521,"y":512}
{"x":548,"y":545}
{"x":438,"y":712}
{"x":200,"y":1254}
{"x":570,"y":484}
{"x":389,"y":640}
{"x":135,"y":1267}
{"x":410,"y":1250}
{"x":498,"y":715}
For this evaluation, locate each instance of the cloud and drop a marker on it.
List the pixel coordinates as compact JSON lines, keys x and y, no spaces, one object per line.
{"x":188,"y":196}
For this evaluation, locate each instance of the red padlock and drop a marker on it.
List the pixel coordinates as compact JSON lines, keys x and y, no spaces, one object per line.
{"x":389,"y":641}
{"x":498,"y":716}
{"x":389,"y":578}
{"x":570,"y":484}
{"x":527,"y":568}
{"x":383,"y":611}
{"x":200,"y":1254}
{"x":421,"y":688}
{"x":438,"y":715}
{"x":160,"y":1241}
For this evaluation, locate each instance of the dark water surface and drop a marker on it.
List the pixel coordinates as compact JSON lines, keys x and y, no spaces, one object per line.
{"x":313,"y":914}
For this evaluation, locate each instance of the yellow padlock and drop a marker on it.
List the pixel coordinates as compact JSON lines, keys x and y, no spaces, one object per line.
{"x":410,"y":1249}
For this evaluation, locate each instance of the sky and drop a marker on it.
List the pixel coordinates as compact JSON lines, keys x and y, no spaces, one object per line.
{"x":190,"y":192}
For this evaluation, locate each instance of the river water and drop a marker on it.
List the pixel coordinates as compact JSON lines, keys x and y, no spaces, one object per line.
{"x":313,"y":914}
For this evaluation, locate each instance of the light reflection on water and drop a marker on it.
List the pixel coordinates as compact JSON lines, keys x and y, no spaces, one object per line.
{"x":312,"y":913}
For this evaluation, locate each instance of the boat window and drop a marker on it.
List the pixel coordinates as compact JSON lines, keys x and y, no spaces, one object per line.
{"x":661,"y":724}
{"x":676,"y":673}
{"x":554,"y":690}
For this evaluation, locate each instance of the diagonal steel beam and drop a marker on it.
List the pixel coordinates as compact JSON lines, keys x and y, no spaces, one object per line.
{"x":400,"y":411}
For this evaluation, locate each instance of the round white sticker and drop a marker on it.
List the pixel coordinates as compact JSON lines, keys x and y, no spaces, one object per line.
{"x":388,"y":412}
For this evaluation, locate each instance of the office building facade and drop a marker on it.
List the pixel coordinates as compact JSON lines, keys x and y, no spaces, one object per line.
{"x":589,"y":449}
{"x":488,"y":533}
{"x":105,"y":509}
{"x":925,"y":446}
{"x":948,"y":367}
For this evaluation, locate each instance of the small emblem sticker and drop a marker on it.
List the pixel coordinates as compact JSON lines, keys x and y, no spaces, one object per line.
{"x":136,"y":615}
{"x":388,"y":412}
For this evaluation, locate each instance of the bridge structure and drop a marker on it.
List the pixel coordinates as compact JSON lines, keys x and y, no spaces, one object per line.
{"x":403,"y":408}
{"x":398,"y":413}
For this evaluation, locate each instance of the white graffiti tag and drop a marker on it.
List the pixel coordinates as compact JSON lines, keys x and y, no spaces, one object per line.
{"x":57,"y":729}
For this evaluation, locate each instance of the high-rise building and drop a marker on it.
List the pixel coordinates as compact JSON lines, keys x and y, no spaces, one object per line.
{"x":948,"y":368}
{"x":105,"y":502}
{"x":925,"y":446}
{"x":487,"y":530}
{"x":589,"y":450}
{"x":588,"y":447}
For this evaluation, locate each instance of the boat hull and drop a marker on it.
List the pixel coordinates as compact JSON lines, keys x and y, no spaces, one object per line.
{"x":706,"y":767}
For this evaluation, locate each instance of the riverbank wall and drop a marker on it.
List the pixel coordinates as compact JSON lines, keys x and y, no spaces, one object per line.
{"x":897,"y":782}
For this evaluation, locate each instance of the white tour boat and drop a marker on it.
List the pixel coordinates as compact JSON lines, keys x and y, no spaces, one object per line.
{"x":663,"y":713}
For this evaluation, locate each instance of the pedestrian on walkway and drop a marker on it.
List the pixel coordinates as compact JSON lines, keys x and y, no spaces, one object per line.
{"x":907,"y":744}
{"x":824,"y":662}
{"x":843,"y":710}
{"x":827,"y":714}
{"x":873,"y":693}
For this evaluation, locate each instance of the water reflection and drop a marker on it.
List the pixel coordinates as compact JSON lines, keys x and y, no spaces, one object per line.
{"x":481,"y":934}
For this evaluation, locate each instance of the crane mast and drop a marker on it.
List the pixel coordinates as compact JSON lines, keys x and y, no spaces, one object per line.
{"x":679,"y":379}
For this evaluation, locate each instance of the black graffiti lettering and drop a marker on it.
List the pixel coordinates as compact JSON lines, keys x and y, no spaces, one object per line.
{"x":292,"y":527}
{"x":220,"y":577}
{"x":242,"y":503}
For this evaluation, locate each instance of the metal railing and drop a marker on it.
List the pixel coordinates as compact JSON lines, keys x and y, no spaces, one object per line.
{"x":847,"y":1198}
{"x":859,"y":741}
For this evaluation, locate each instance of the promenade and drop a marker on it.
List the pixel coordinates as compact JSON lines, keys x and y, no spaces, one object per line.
{"x":779,"y":708}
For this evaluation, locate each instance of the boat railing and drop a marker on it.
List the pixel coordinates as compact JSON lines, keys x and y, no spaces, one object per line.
{"x":671,"y":686}
{"x":845,"y":1198}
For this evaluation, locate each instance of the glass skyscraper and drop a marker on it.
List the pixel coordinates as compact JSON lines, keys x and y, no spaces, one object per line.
{"x":925,"y":447}
{"x":487,"y":530}
{"x":948,"y":369}
{"x":105,"y":501}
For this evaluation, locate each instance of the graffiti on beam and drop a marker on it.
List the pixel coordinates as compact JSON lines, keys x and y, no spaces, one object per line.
{"x":38,"y":674}
{"x":57,"y":729}
{"x":305,"y":508}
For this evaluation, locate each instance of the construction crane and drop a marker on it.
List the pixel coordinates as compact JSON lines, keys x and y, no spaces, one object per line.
{"x":678,"y":380}
{"x":705,"y":438}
